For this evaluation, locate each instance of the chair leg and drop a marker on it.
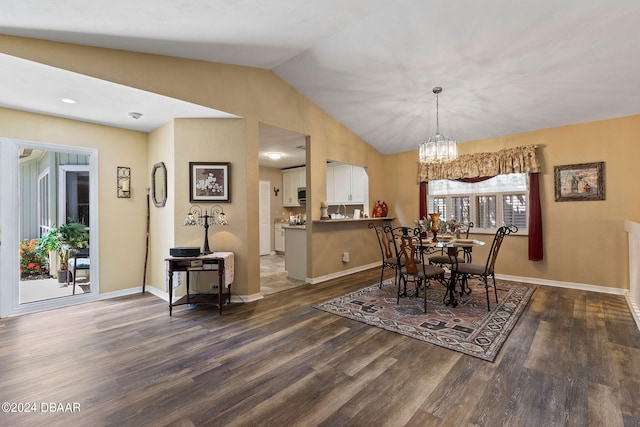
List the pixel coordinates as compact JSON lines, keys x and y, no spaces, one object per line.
{"x":495,"y":290}
{"x":381,"y":276}
{"x":425,"y":296}
{"x":486,"y":288}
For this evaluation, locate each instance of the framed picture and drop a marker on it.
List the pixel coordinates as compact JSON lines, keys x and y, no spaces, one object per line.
{"x":584,"y":181}
{"x":209,"y":182}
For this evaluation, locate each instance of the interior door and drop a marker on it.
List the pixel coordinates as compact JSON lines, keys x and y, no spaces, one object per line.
{"x":265,"y":217}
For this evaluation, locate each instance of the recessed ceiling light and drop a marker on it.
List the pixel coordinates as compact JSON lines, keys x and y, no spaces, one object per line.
{"x":68,"y":100}
{"x":274,"y":156}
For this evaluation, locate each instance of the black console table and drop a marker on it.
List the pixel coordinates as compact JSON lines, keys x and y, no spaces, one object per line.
{"x":202,"y":263}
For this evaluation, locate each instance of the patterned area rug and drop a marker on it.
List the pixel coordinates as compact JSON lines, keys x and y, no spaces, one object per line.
{"x":468,"y":328}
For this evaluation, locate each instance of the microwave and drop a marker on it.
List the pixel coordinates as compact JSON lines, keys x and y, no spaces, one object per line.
{"x":302,"y":195}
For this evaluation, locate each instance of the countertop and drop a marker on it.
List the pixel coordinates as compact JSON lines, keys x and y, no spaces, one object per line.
{"x":329,"y":221}
{"x":295,"y":226}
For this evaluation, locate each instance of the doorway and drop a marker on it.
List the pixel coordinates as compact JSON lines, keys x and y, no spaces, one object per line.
{"x":51,"y":186}
{"x":278,"y":149}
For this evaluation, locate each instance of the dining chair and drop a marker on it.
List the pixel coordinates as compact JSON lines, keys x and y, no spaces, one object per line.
{"x":466,"y":269}
{"x":443,"y":259}
{"x":414,"y":268}
{"x":392,"y":238}
{"x":389,"y":256}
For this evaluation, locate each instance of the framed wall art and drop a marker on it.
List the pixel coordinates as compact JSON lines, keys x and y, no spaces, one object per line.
{"x":584,"y":181}
{"x":209,"y":182}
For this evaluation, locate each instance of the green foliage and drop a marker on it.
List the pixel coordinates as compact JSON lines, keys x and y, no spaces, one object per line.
{"x":63,"y":239}
{"x":32,"y":261}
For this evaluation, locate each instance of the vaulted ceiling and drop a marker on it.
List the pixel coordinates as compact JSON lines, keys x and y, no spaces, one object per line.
{"x":506,"y":66}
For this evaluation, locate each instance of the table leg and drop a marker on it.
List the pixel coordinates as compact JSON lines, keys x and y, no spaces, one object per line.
{"x":450,"y":295}
{"x":220,"y":284}
{"x":170,"y":291}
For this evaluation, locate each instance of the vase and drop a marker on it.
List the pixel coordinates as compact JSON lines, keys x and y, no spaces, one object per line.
{"x":377,"y":210}
{"x":384,"y":208}
{"x":434,"y":225}
{"x":65,"y":276}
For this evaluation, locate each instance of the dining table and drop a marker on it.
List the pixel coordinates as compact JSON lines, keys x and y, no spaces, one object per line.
{"x":452,"y":246}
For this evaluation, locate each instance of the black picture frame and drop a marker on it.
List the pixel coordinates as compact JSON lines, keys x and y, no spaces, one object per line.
{"x":210,"y":182}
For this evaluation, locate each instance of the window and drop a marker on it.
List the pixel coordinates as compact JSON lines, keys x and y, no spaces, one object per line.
{"x":488,"y":204}
{"x":44,"y":216}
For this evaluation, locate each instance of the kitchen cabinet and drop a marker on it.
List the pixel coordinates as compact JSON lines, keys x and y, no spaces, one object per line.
{"x":347,"y":184}
{"x":292,"y":179}
{"x":295,"y":259}
{"x":279,"y":237}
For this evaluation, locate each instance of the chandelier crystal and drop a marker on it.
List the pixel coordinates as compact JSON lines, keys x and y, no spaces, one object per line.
{"x":438,"y":148}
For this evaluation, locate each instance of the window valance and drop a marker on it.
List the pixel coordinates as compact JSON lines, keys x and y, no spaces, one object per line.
{"x":509,"y":160}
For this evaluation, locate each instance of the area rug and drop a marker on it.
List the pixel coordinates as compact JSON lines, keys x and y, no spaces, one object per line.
{"x":468,"y":328}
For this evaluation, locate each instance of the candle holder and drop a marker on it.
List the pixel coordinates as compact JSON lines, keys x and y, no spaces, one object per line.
{"x":124,"y":182}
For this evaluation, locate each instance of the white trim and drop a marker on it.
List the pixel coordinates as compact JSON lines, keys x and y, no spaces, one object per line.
{"x":122,"y":293}
{"x":342,"y":273}
{"x":246,"y":298}
{"x":633,"y":307}
{"x":568,"y":285}
{"x":165,"y":295}
{"x":9,"y":233}
{"x":62,"y":189}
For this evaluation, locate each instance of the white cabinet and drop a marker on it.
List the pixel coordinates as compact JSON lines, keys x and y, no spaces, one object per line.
{"x":347,"y":184}
{"x":359,"y":185}
{"x":292,"y":179}
{"x":279,"y":237}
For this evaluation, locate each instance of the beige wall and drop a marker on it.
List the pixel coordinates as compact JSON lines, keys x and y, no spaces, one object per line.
{"x":215,"y":140}
{"x":161,"y":148}
{"x":121,"y":221}
{"x":580,"y":237}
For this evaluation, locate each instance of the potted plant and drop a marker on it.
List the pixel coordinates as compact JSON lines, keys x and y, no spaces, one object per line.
{"x":62,"y":240}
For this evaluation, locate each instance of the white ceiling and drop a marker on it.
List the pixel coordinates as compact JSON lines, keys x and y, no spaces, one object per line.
{"x":506,"y":66}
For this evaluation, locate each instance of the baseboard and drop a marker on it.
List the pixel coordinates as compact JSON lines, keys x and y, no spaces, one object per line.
{"x":157,"y":292}
{"x":121,"y":293}
{"x":335,"y":275}
{"x":165,"y":295}
{"x":568,"y":285}
{"x":633,"y":307}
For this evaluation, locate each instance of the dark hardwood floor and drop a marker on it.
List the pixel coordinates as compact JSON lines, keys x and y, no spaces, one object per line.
{"x":573,"y":359}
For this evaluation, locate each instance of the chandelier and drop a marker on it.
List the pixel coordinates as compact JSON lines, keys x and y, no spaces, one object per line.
{"x":438,"y":148}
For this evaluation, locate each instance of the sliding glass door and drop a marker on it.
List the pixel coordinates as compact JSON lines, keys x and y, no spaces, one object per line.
{"x":49,"y":187}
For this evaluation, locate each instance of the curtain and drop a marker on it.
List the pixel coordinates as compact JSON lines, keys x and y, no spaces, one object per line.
{"x":480,"y":166}
{"x":535,"y":219}
{"x":509,"y":160}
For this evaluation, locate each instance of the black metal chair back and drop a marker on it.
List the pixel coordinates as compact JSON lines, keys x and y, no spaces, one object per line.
{"x":488,"y":270}
{"x":505,"y":230}
{"x":408,"y":250}
{"x":389,"y":257}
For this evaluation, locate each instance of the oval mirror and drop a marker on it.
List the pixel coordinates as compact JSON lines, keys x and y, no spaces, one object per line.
{"x":159,"y":184}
